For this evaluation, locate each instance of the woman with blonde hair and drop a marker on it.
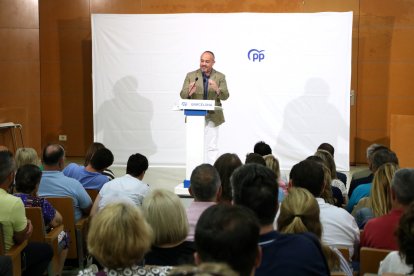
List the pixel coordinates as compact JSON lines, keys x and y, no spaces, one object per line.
{"x":299,"y":212}
{"x":118,"y":238}
{"x":379,"y":201}
{"x":166,"y":214}
{"x":273,"y":164}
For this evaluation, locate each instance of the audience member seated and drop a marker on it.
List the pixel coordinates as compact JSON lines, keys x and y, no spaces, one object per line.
{"x":355,"y":182}
{"x":91,"y":176}
{"x":379,"y":202}
{"x":118,"y":238}
{"x":379,"y":232}
{"x":330,"y":164}
{"x":225,"y":166}
{"x":402,"y":261}
{"x":299,"y":213}
{"x":262,"y":148}
{"x":88,"y":156}
{"x":255,"y":187}
{"x":329,"y":148}
{"x":228,"y":234}
{"x":55,"y":184}
{"x":205,"y":187}
{"x":165,"y":213}
{"x":273,"y":164}
{"x":16,"y":227}
{"x":204,"y":269}
{"x":128,"y":187}
{"x":258,"y":159}
{"x":3,"y":148}
{"x":27,"y":183}
{"x":331,"y":195}
{"x":379,"y":158}
{"x":25,"y":156}
{"x":339,"y":227}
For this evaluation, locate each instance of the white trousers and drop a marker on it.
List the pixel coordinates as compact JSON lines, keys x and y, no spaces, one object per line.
{"x":211,"y":133}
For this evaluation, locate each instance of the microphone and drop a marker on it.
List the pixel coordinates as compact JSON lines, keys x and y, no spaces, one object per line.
{"x":195,"y":81}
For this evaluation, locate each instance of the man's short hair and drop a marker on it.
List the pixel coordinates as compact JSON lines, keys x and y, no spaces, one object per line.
{"x":373,"y":148}
{"x":7,"y":165}
{"x":102,"y":159}
{"x":137,"y":164}
{"x":382,"y":156}
{"x":204,"y":182}
{"x":52,"y":154}
{"x":308,"y":174}
{"x":262,"y":148}
{"x":255,"y":187}
{"x":403,"y":186}
{"x":230,"y":234}
{"x":255,"y":158}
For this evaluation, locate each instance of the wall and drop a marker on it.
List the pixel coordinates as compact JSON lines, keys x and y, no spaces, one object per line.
{"x":382,"y":61}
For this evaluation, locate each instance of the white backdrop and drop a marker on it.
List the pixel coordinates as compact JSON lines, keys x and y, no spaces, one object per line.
{"x":295,"y":98}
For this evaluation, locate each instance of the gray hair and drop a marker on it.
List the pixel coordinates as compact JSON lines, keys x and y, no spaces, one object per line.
{"x":373,"y":148}
{"x":403,"y":185}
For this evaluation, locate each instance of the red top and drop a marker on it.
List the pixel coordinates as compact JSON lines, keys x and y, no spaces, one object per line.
{"x":379,"y":232}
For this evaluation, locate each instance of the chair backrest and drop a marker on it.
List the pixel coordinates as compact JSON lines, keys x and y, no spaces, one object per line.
{"x":92,"y":193}
{"x":14,"y":253}
{"x":345,"y":252}
{"x":370,"y":258}
{"x":65,"y":207}
{"x":36,"y":217}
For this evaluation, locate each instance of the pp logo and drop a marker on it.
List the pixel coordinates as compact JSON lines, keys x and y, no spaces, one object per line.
{"x":184,"y":104}
{"x":255,"y":55}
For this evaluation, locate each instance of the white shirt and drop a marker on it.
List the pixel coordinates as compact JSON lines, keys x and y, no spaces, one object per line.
{"x":339,"y":227}
{"x":394,"y":264}
{"x":124,"y":188}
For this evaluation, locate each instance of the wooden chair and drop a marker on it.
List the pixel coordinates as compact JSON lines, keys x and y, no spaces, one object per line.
{"x":345,"y":252}
{"x":76,"y":230}
{"x":14,"y":253}
{"x":370,"y":258}
{"x":39,"y":235}
{"x":92,"y":193}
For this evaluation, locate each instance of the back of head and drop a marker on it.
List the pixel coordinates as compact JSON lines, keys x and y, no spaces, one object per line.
{"x":229,"y":234}
{"x":204,"y":269}
{"x":403,"y":186}
{"x":254,"y":158}
{"x":255,"y":187}
{"x":205,"y":183}
{"x":137,"y":164}
{"x":382,"y":156}
{"x":7,"y":165}
{"x":27,"y":177}
{"x":102,"y":159}
{"x":381,"y":189}
{"x":299,"y":212}
{"x":308,"y":174}
{"x":328,"y":161}
{"x":119,"y":236}
{"x":373,"y":148}
{"x":166,"y":214}
{"x":262,"y":148}
{"x":225,"y":166}
{"x":26,"y":156}
{"x":91,"y":151}
{"x":273,"y":164}
{"x":405,"y":236}
{"x":328,"y":147}
{"x":52,"y":154}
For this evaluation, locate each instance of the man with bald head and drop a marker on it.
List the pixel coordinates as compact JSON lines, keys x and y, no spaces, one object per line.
{"x":55,"y":184}
{"x":208,"y":84}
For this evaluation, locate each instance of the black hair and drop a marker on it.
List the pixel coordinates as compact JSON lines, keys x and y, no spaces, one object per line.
{"x":308,"y":174}
{"x":204,"y":182}
{"x":52,"y":153}
{"x":137,"y":164}
{"x":27,"y":177}
{"x":262,"y":148}
{"x":102,"y":159}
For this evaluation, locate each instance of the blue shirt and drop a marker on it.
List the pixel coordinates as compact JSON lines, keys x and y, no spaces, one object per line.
{"x":291,"y":254}
{"x":361,"y":191}
{"x":89,"y":180}
{"x":56,"y":184}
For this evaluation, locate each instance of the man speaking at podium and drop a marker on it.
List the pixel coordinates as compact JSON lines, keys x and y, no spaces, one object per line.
{"x":208,"y":84}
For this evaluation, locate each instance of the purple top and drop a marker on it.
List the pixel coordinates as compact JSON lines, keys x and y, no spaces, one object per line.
{"x":33,"y":201}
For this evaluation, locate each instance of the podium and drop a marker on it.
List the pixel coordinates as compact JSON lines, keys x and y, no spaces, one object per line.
{"x":195,"y":112}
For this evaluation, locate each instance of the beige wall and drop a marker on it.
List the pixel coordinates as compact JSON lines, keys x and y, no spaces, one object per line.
{"x":382,"y":63}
